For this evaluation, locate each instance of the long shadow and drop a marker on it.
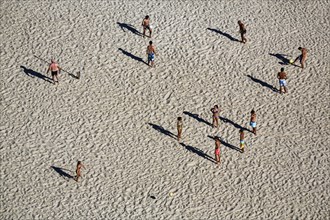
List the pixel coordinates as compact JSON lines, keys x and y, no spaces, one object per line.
{"x":62,"y":172}
{"x":226,"y":144}
{"x":199,"y":119}
{"x":223,"y":34}
{"x":263,"y":83}
{"x":130,"y":28}
{"x":70,"y":74}
{"x":33,"y":73}
{"x":226,"y":120}
{"x":162,"y":130}
{"x":282,"y":57}
{"x":132,"y":56}
{"x":198,"y":152}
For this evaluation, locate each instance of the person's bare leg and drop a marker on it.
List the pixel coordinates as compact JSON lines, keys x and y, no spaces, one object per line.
{"x":150,"y":32}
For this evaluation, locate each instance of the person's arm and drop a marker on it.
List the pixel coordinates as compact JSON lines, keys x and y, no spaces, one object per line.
{"x":48,"y":69}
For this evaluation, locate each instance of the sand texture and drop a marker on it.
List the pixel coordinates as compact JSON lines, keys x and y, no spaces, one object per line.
{"x":119,"y":117}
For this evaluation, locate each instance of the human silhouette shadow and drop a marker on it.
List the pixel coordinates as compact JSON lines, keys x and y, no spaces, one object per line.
{"x":129,"y":27}
{"x":199,"y":119}
{"x":226,"y":120}
{"x":198,"y":152}
{"x":33,"y":73}
{"x":132,"y":56}
{"x":62,"y":173}
{"x":226,"y":144}
{"x":282,"y":57}
{"x":70,"y":74}
{"x":263,"y":83}
{"x":223,"y":34}
{"x":162,"y":130}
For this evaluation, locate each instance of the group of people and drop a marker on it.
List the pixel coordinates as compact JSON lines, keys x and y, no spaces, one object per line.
{"x":282,"y":76}
{"x":215,"y":124}
{"x":55,"y":69}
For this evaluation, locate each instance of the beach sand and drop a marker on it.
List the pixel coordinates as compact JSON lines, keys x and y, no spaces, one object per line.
{"x":119,"y":118}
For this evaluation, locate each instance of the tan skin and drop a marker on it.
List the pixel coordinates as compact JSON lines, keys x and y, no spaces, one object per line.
{"x":217,"y":146}
{"x":179,"y":128}
{"x":78,"y":170}
{"x":254,"y":119}
{"x":282,"y":75}
{"x":55,"y":70}
{"x":241,"y":138}
{"x":302,"y":57}
{"x":146,"y":25}
{"x":215,"y":118}
{"x":151,"y":49}
{"x":242,"y":31}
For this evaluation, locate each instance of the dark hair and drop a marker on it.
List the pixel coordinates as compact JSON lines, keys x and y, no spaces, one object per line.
{"x":147,"y":17}
{"x":179,"y":118}
{"x":299,"y":48}
{"x":241,"y":130}
{"x":282,"y":69}
{"x":216,"y":106}
{"x":150,"y":42}
{"x":252,"y":112}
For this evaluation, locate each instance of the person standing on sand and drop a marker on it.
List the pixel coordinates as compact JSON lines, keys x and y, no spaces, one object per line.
{"x":55,"y":70}
{"x":302,"y":57}
{"x":253,"y":122}
{"x":241,"y":140}
{"x":242,"y":31}
{"x":282,"y":79}
{"x":215,"y":118}
{"x":146,"y":25}
{"x":151,"y":51}
{"x":179,"y":126}
{"x":78,"y":170}
{"x":217,"y":150}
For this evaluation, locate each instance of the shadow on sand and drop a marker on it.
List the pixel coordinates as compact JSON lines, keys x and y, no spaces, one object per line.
{"x":226,"y":144}
{"x":282,"y":57}
{"x":226,"y":120}
{"x":223,"y":34}
{"x":198,"y":152}
{"x":132,"y":56}
{"x":33,"y":73}
{"x":70,"y":74}
{"x":62,"y":173}
{"x":263,"y":83}
{"x":162,"y":130}
{"x":196,"y":116}
{"x":129,"y":27}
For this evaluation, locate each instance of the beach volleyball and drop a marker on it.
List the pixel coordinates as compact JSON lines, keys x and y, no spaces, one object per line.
{"x":291,"y":61}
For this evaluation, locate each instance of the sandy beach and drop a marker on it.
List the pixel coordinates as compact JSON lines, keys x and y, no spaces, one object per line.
{"x":119,"y":117}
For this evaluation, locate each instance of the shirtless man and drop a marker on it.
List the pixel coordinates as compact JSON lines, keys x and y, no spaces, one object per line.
{"x":242,"y":31}
{"x":55,"y":70}
{"x":215,"y":118}
{"x":253,"y":122}
{"x":146,"y":25}
{"x":78,"y":170}
{"x":302,"y":57}
{"x":151,"y":51}
{"x":282,"y":79}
